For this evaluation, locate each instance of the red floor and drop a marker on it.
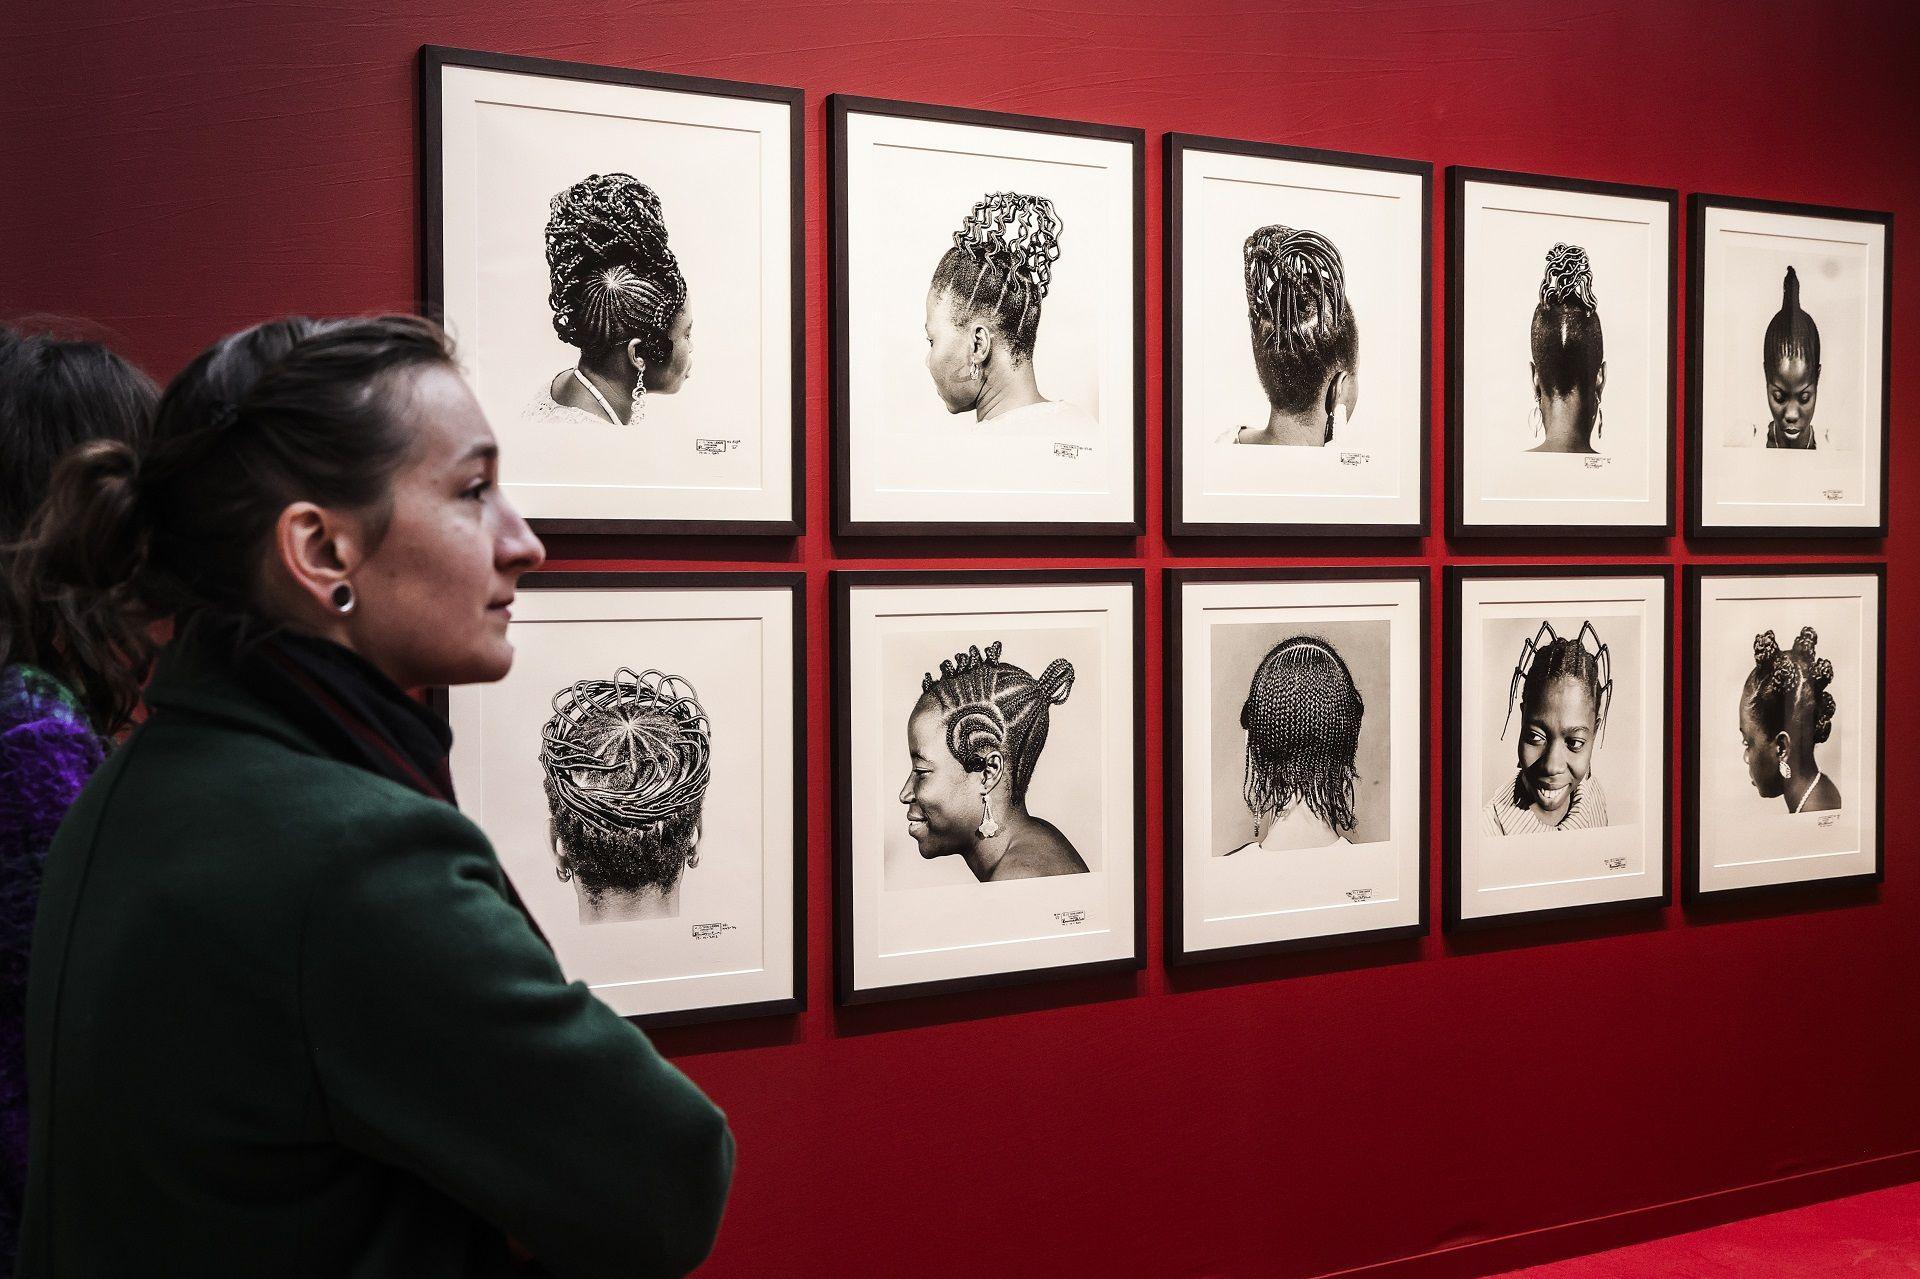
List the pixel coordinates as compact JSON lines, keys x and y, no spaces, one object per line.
{"x":1865,"y":1237}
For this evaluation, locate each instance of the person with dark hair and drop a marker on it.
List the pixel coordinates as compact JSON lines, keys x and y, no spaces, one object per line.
{"x":1791,"y":359}
{"x":1785,"y":711}
{"x":1564,"y":687}
{"x":973,"y":739}
{"x":627,"y":762}
{"x":66,"y":684}
{"x":1302,"y":719}
{"x":285,"y":1013}
{"x":1306,"y":341}
{"x":618,"y":295}
{"x":983,"y":317}
{"x":1569,"y":358}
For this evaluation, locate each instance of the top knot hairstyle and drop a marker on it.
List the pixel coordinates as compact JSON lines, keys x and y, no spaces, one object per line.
{"x":1302,"y":717}
{"x":1567,"y":347}
{"x":1791,"y":333}
{"x":627,"y":762}
{"x":1786,"y":691}
{"x":1549,"y":656}
{"x":614,"y":279}
{"x":990,"y":705}
{"x":290,"y":410}
{"x":1302,"y":322}
{"x":1001,"y":264}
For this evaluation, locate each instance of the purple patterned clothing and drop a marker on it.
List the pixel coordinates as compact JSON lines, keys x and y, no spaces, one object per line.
{"x":47,"y":752}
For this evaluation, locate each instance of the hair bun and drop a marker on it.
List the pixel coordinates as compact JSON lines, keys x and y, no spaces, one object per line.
{"x":1790,"y":292}
{"x":1016,"y":232}
{"x":96,"y":531}
{"x":1765,"y":648}
{"x":1057,"y":680}
{"x":1296,"y":285}
{"x":1569,"y":278}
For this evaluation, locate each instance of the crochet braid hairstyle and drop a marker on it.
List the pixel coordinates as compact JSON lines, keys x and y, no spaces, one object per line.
{"x":1302,"y":322}
{"x":627,"y":761}
{"x":1001,"y":265}
{"x":1786,"y":692}
{"x":1302,"y":717}
{"x":1791,"y":332}
{"x":1567,"y":348}
{"x":990,"y":705}
{"x":614,"y":279}
{"x":1549,"y":656}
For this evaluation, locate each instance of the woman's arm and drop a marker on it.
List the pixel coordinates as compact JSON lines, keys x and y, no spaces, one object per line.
{"x":449,"y":1044}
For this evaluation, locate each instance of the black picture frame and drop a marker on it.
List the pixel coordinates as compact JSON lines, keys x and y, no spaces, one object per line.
{"x":1173,"y":345}
{"x":1691,"y":893}
{"x":796,"y":583}
{"x":1458,"y":176}
{"x":841,"y":583}
{"x":1175,"y":580}
{"x":1451,"y":716}
{"x":839,"y":107}
{"x":434,"y":60}
{"x":1698,"y":204}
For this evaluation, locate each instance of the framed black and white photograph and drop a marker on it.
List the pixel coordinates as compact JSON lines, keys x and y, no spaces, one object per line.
{"x":642,"y":774}
{"x":1785,"y":726}
{"x":989,"y":744}
{"x":1559,"y":740}
{"x":1790,"y":323}
{"x":1296,"y":758}
{"x":988,"y":314}
{"x":1297,"y":310}
{"x":1560,"y":370}
{"x":618,"y":255}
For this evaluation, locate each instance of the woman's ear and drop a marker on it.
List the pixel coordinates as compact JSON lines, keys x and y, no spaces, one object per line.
{"x":981,"y":348}
{"x":994,"y":770}
{"x":1599,"y":379}
{"x":1533,"y":371}
{"x":634,"y":357}
{"x":315,"y":552}
{"x":1783,"y":746}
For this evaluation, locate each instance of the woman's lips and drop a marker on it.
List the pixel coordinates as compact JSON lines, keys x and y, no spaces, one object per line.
{"x":1550,"y":796}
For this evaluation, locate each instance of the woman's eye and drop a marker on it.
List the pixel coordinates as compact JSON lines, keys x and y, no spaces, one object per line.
{"x":477,"y":490}
{"x":1806,"y":397}
{"x":1577,"y":743}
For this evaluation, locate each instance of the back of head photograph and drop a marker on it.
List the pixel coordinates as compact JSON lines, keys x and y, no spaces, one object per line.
{"x":1306,"y":340}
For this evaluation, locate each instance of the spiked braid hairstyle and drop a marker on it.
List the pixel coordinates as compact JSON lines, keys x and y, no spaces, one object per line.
{"x":1786,"y":692}
{"x":1302,"y":322}
{"x":1567,"y":346}
{"x":1548,"y":657}
{"x":613,"y":276}
{"x":1791,"y":331}
{"x":990,"y":705}
{"x":1302,"y":717}
{"x":1001,"y":264}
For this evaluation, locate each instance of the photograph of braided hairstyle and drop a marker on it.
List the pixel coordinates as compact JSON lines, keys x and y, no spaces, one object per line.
{"x":1567,"y":348}
{"x":1549,"y":656}
{"x":1786,"y":692}
{"x":1791,"y":333}
{"x":1302,"y":718}
{"x":989,"y":705}
{"x":627,"y":762}
{"x":614,"y":278}
{"x":1302,"y":322}
{"x":1001,"y":265}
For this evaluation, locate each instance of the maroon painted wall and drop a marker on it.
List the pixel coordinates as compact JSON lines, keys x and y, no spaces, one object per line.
{"x":177,"y":170}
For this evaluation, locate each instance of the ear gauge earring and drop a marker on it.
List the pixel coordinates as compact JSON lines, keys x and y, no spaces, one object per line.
{"x":987,"y":828}
{"x":342,"y":599}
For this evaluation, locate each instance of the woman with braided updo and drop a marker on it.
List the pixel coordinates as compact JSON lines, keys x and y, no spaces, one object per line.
{"x":1306,"y":342}
{"x":1791,"y":357}
{"x":1785,"y":711}
{"x":618,"y":295}
{"x":983,"y":316}
{"x":1569,"y":358}
{"x":627,"y":762}
{"x":1302,"y":717}
{"x":1563,"y":688}
{"x":973,"y":739}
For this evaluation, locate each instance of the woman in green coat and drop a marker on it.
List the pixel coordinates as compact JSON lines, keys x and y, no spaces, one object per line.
{"x":285,"y":1014}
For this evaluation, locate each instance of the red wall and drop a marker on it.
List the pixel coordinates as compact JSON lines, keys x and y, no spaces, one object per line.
{"x":177,"y":170}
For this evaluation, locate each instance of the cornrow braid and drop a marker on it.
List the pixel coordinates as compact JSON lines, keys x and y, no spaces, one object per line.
{"x":1547,"y":657}
{"x":1791,"y":332}
{"x":1302,"y":717}
{"x":613,"y":276}
{"x":990,"y":705}
{"x":1789,"y":688}
{"x":1567,"y":345}
{"x":1001,"y":264}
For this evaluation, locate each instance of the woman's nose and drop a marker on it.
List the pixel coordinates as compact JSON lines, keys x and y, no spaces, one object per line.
{"x":906,"y":790}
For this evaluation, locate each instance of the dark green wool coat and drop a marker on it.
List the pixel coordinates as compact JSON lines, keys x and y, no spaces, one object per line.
{"x":283,"y":1019}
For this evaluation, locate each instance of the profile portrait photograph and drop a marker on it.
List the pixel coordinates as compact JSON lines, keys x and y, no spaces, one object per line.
{"x":1560,"y":741}
{"x":638,"y":775}
{"x":1296,"y":344}
{"x":616,"y":253}
{"x":1790,"y":321}
{"x":1295,"y":784}
{"x":990,"y":786}
{"x":986,"y":284}
{"x":1784,"y":725}
{"x":1560,"y":353}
